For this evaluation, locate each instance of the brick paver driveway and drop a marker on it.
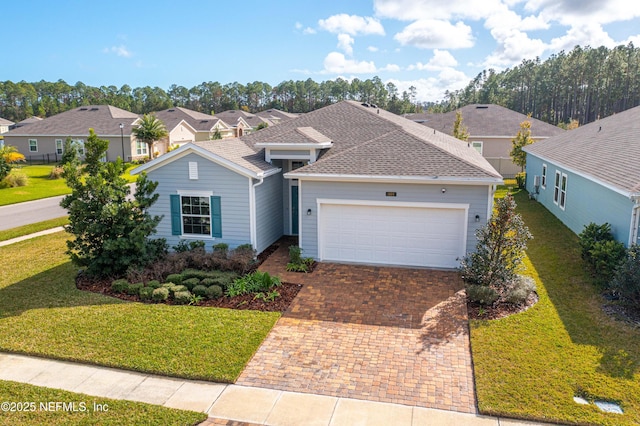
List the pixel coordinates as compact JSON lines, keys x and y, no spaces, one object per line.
{"x":376,"y":333}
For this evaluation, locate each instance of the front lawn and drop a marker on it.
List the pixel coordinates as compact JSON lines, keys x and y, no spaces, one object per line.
{"x":114,"y":412}
{"x":40,"y":186}
{"x":42,"y":313}
{"x":532,"y":364}
{"x":33,"y":228}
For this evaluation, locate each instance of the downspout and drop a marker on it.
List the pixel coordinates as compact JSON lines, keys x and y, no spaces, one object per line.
{"x":635,"y":220}
{"x":252,"y":211}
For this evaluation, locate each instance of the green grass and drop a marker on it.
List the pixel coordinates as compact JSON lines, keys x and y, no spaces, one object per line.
{"x":113,"y":412}
{"x":40,"y":186}
{"x":42,"y":313}
{"x":532,"y":364}
{"x":32,"y":228}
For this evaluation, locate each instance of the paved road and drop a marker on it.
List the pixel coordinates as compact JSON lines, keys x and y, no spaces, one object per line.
{"x":29,"y":212}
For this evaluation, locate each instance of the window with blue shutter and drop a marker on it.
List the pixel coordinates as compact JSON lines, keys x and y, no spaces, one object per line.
{"x":176,"y":221}
{"x":216,"y":217}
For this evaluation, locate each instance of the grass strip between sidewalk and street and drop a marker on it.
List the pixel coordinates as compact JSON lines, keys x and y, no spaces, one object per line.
{"x":531,"y":365}
{"x":42,"y":313}
{"x":42,"y":406}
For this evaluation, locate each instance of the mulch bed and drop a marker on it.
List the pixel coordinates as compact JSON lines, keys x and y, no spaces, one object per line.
{"x":477,"y":312}
{"x":288,"y":292}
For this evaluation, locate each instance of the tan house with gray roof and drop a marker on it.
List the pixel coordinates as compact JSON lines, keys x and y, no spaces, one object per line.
{"x":491,"y":129}
{"x":44,"y":139}
{"x":352,"y":182}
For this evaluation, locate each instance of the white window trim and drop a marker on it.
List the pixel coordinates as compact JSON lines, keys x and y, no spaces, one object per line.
{"x":479,"y":144}
{"x":80,"y":144}
{"x":141,"y":148}
{"x":562,"y":202}
{"x":31,"y":146}
{"x":543,"y":178}
{"x":61,"y":148}
{"x":192,"y":236}
{"x":556,"y":187}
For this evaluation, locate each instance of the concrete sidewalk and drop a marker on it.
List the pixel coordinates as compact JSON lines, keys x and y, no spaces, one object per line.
{"x":29,"y":236}
{"x":230,"y":402}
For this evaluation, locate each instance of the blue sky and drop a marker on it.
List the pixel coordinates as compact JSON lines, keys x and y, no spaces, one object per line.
{"x":433,"y":45}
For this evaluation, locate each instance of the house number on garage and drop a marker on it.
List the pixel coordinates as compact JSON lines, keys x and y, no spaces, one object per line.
{"x":391,"y":194}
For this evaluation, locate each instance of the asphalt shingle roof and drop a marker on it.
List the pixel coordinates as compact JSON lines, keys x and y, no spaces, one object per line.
{"x":103,"y":119}
{"x":238,"y":153}
{"x":5,"y":122}
{"x":173,"y":116}
{"x":486,"y":120}
{"x":606,"y":150}
{"x":371,"y":141}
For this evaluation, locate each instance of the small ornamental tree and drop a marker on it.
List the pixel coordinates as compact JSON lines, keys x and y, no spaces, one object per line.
{"x":111,"y":229}
{"x":499,"y":251}
{"x":459,"y":130}
{"x":522,"y":139}
{"x":150,"y":130}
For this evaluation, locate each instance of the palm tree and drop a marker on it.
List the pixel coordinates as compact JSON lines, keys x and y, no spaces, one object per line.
{"x":149,"y":131}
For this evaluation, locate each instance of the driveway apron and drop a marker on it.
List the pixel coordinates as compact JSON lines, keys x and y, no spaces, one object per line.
{"x":384,"y":334}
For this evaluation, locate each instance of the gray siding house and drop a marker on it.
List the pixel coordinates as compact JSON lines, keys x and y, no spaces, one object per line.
{"x":591,"y":174}
{"x":355,"y":183}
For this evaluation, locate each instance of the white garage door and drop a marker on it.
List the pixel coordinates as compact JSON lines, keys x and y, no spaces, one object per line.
{"x":392,"y":234}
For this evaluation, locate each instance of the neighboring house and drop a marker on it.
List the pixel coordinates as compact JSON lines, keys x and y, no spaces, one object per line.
{"x":354,"y":183}
{"x":491,"y":129}
{"x":275,"y":116}
{"x":44,"y":139}
{"x":591,"y":174}
{"x":26,"y":121}
{"x":4,"y":125}
{"x":185,"y":125}
{"x":242,"y":122}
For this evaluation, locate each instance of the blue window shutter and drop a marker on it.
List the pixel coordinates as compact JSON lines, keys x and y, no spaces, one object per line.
{"x":176,"y":221}
{"x":216,"y":217}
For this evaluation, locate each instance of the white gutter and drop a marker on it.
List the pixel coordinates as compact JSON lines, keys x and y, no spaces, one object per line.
{"x":635,"y":221}
{"x":394,"y":179}
{"x":253,"y":226}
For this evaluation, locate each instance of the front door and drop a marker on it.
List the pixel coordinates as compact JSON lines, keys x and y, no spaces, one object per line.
{"x":294,"y":210}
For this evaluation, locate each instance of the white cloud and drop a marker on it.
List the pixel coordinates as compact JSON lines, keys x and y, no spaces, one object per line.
{"x":307,"y":30}
{"x":513,"y":47}
{"x":336,"y":63}
{"x":433,"y":89}
{"x":411,"y":10}
{"x":430,"y":34}
{"x":351,"y":24}
{"x":391,"y":68}
{"x":585,"y":12}
{"x":372,"y":49}
{"x":345,"y":42}
{"x":441,"y":60}
{"x":584,"y":35}
{"x":118,"y":50}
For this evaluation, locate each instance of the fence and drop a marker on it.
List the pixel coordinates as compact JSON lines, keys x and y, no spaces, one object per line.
{"x":43,"y":158}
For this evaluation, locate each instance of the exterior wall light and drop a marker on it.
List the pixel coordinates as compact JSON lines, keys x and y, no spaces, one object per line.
{"x":477,"y":218}
{"x":308,"y":212}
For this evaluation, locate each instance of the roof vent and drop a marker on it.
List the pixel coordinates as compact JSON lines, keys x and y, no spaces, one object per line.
{"x":364,"y":104}
{"x":482,"y":106}
{"x":171,"y":110}
{"x":204,"y":121}
{"x":374,"y":106}
{"x":83,"y":109}
{"x":94,"y":109}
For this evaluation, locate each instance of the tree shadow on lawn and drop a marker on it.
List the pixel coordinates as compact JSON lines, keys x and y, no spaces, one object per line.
{"x":53,"y":288}
{"x":555,"y":254}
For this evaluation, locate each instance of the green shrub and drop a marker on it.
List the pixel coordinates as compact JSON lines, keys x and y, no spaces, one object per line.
{"x":520,"y":291}
{"x":154,"y":284}
{"x":221,"y":249}
{"x":175,"y":278}
{"x":592,"y":234}
{"x":185,"y":246}
{"x":482,"y":294}
{"x":605,"y":257}
{"x":160,"y":294}
{"x":252,"y":283}
{"x":207,"y":282}
{"x":295,"y":255}
{"x":182,"y":297}
{"x":214,"y":292}
{"x":244,"y":247}
{"x":200,"y":290}
{"x":134,"y":289}
{"x":177,"y":289}
{"x":626,"y":280}
{"x":119,"y":286}
{"x":146,"y":293}
{"x":190,"y":283}
{"x":195,"y":273}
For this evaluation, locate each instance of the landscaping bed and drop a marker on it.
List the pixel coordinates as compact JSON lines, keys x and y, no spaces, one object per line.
{"x":287,"y":291}
{"x":478,"y":312}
